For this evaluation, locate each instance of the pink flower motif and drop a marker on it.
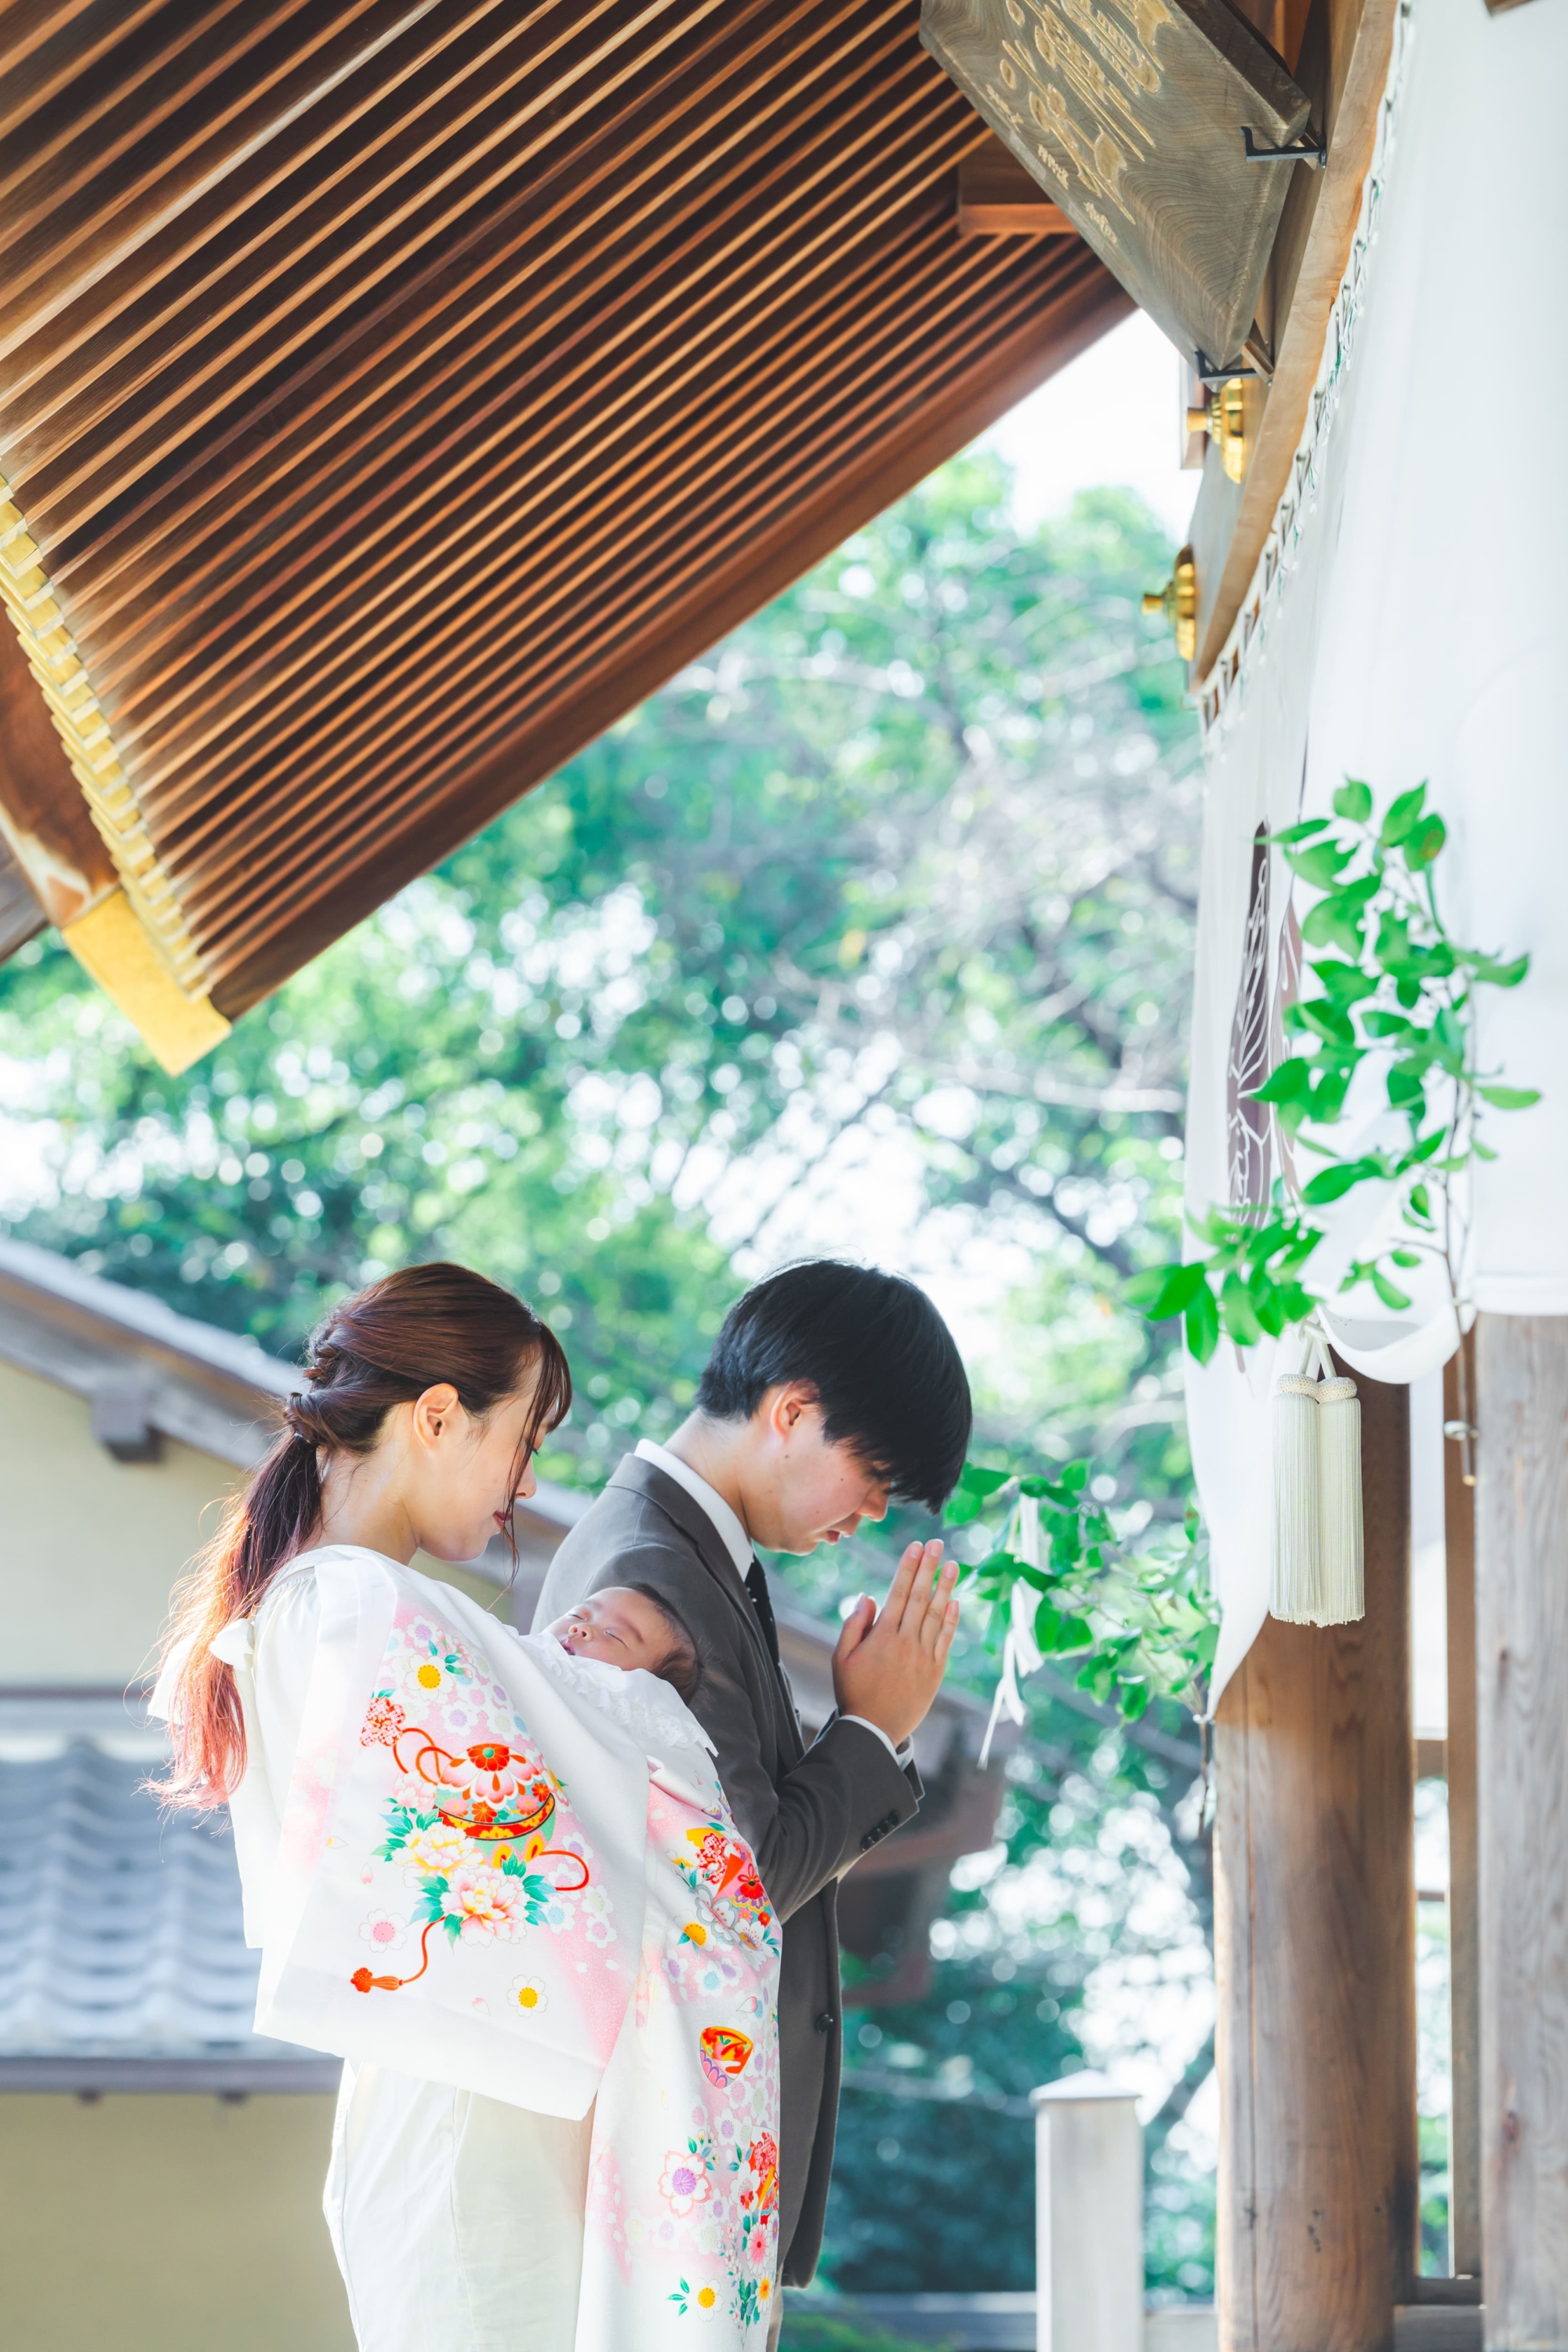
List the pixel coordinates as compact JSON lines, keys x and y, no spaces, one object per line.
{"x":684,"y":2183}
{"x":384,"y":1931}
{"x":488,"y":1904}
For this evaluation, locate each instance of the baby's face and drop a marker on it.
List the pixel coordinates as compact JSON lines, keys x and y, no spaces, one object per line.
{"x":618,"y":1625}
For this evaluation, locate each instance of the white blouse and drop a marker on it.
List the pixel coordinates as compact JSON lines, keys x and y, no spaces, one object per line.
{"x":271,"y":1655}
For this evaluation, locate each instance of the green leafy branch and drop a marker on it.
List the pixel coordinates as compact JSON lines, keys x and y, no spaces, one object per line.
{"x":1133,"y":1627}
{"x":1391,"y":982}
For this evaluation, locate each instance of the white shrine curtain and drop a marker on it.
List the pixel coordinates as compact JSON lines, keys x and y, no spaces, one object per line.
{"x":1412,"y":628}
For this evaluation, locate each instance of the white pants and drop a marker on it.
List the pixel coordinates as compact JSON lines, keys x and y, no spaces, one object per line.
{"x":456,"y":2221}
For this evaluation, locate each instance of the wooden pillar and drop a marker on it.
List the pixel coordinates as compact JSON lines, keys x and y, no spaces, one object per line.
{"x":1522,"y":1659}
{"x":1315,"y":1934}
{"x":1464,"y":1925}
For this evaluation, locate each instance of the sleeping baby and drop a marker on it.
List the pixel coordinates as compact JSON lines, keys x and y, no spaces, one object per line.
{"x":632,"y":1626}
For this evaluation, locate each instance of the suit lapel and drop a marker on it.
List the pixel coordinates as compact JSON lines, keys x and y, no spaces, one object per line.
{"x":647,"y":1479}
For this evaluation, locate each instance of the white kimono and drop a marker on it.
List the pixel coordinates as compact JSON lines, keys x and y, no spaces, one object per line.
{"x":503,"y":1883}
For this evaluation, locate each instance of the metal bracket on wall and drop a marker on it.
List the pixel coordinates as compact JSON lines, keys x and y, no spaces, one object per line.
{"x":1208,"y":373}
{"x":1313,"y":153}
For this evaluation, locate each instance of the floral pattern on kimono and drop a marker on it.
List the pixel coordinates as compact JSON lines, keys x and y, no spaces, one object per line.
{"x":683,"y":2196}
{"x":480,"y":1880}
{"x":459,"y":1892}
{"x":476,"y":1821}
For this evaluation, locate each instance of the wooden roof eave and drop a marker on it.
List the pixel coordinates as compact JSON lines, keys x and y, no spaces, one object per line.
{"x":391,"y":397}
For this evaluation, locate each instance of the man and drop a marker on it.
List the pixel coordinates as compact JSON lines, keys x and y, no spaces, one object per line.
{"x":830,"y":1389}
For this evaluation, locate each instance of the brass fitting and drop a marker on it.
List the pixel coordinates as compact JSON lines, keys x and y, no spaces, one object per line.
{"x":1178,"y":601}
{"x":1225,"y":421}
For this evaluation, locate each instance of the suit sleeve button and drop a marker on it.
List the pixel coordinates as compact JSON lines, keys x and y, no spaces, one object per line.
{"x":827,"y":2021}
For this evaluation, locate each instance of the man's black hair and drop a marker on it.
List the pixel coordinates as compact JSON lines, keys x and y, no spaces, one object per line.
{"x":877,"y":1355}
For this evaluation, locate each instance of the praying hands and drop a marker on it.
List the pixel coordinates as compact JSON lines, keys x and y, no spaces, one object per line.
{"x":889,"y":1665}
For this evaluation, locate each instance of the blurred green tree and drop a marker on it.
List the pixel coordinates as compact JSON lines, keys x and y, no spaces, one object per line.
{"x":906,"y":868}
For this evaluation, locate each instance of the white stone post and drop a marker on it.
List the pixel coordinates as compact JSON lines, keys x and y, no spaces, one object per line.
{"x":1088,"y":2217}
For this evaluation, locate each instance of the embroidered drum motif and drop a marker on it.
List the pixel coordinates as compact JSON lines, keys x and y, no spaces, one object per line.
{"x":491,"y":1791}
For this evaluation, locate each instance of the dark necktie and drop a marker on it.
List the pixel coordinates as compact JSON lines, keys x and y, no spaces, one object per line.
{"x":757,"y":1586}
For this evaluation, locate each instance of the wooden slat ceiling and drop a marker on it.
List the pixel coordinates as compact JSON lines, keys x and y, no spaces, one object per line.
{"x":393,"y":392}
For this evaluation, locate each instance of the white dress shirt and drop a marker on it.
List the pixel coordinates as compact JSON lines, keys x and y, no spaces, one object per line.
{"x":738,"y":1544}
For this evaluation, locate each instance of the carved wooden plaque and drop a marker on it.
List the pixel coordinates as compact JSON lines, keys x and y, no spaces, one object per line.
{"x":1129,"y":114}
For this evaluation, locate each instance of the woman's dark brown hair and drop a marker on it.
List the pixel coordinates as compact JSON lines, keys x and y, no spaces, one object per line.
{"x":417,"y":1329}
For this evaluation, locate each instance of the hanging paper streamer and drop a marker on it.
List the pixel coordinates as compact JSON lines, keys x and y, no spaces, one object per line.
{"x":1317,"y":1575}
{"x":1020,"y":1650}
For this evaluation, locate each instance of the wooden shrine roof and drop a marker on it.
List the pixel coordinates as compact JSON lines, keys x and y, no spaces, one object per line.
{"x":395,"y":391}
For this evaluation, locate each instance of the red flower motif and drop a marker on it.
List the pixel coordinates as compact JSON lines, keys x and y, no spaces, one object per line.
{"x":490,"y":1769}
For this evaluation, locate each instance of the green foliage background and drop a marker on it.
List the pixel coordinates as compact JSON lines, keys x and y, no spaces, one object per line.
{"x":903,"y":873}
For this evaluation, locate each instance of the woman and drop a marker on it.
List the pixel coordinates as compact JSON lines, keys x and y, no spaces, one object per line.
{"x":465,"y":1877}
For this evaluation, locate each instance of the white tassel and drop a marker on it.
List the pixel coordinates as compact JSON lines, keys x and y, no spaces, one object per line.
{"x":1020,"y":1650}
{"x":1297,"y":1592}
{"x":1317,"y":1575}
{"x":1343,"y":1557}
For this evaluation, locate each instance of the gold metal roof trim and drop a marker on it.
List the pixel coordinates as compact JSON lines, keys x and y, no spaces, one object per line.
{"x":55,"y":663}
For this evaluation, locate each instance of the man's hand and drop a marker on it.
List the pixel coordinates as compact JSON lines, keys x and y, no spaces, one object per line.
{"x":887,"y":1667}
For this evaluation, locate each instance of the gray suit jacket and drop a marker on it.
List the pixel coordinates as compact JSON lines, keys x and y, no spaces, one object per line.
{"x":806,"y":1814}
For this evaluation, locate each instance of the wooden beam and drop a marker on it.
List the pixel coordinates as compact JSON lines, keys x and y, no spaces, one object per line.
{"x":1464,"y":1923}
{"x":1315,"y":1927}
{"x":997,"y":197}
{"x":1343,"y":66}
{"x":44,"y":817}
{"x":21,"y":912}
{"x":1522,"y":1660}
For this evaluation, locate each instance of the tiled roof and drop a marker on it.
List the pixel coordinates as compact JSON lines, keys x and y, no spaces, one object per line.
{"x":122,"y":1956}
